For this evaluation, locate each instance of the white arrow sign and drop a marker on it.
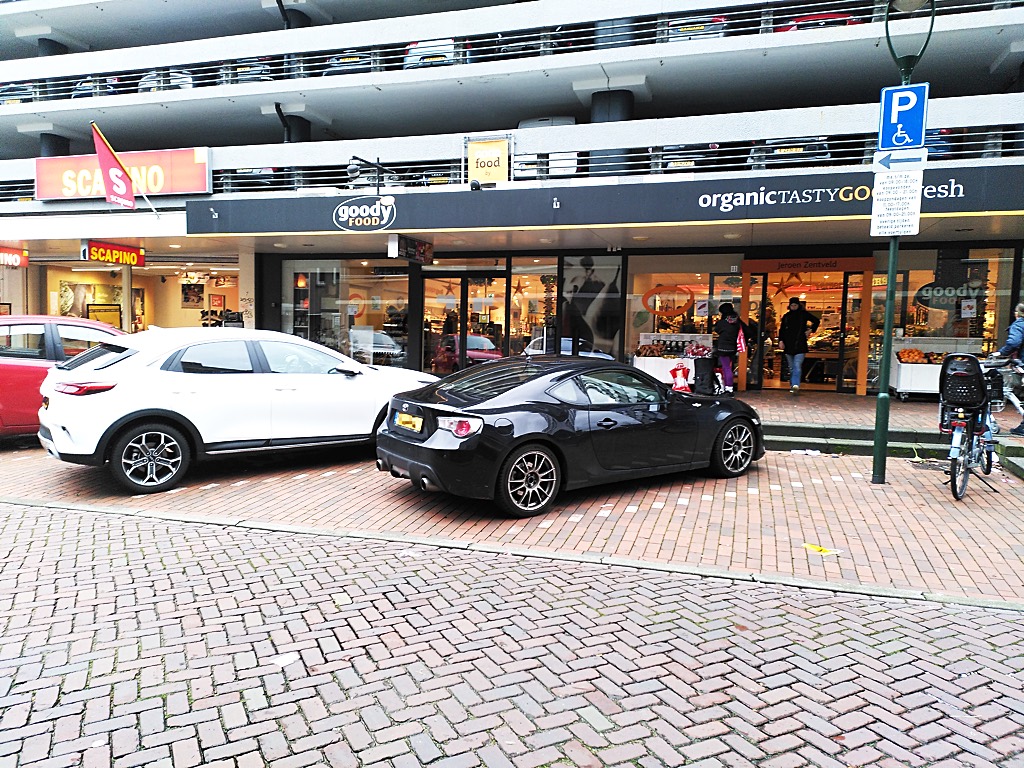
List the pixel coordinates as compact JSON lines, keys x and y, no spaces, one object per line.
{"x":890,"y":160}
{"x":896,"y":204}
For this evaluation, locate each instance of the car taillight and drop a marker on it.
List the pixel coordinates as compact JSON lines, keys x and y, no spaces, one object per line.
{"x":718,"y":19}
{"x":460,"y":426}
{"x":85,"y":388}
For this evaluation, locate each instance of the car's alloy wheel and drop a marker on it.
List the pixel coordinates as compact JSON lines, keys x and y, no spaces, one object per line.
{"x":734,"y":449}
{"x":150,"y":458}
{"x":529,"y":481}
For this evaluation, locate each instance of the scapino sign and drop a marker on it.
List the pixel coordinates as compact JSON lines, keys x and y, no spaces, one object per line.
{"x":13,"y":257}
{"x":156,"y":172}
{"x":113,"y":254}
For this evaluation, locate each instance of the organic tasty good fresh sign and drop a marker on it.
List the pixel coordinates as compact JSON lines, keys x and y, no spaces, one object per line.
{"x":156,"y":172}
{"x":13,"y":257}
{"x":113,"y":254}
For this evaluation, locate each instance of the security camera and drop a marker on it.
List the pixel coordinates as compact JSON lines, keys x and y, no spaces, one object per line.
{"x":113,"y":273}
{"x":474,"y":185}
{"x":353,"y":170}
{"x":163,"y":278}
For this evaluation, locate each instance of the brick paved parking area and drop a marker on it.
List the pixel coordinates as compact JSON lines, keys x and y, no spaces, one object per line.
{"x":131,"y":641}
{"x":907,"y":535}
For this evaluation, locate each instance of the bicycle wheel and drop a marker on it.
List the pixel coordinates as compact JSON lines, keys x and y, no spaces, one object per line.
{"x":959,"y":471}
{"x":985,"y":455}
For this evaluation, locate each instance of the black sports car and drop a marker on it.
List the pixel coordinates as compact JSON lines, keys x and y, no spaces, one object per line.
{"x":519,"y":430}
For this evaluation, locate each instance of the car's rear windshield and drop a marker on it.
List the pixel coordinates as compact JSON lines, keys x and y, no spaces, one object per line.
{"x":474,"y":385}
{"x":99,"y":357}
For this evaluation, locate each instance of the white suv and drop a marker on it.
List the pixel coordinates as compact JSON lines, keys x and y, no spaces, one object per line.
{"x":149,"y":404}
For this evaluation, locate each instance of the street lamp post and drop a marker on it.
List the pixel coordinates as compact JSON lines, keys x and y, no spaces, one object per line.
{"x":354,"y":168}
{"x":906,"y":65}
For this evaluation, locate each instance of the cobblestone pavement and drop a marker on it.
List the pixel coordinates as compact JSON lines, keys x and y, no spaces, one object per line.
{"x":907,"y":534}
{"x":130,"y":641}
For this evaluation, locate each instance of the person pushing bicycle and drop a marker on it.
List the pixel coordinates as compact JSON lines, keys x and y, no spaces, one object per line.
{"x":1014,"y":347}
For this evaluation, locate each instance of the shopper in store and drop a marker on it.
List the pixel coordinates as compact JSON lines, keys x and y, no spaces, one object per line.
{"x":797,"y":324}
{"x":727,"y":331}
{"x":1014,"y":347}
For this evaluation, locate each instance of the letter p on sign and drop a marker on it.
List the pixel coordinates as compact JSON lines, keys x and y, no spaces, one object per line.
{"x":903,"y":116}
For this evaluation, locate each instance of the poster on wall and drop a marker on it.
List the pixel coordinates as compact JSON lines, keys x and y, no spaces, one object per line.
{"x":74,"y":298}
{"x":216,"y":301}
{"x":5,"y":308}
{"x":192,"y":296}
{"x":105,"y":313}
{"x":592,"y":301}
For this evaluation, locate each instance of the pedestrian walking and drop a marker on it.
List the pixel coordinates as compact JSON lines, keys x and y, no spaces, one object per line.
{"x":727,"y":344}
{"x":1014,"y":347}
{"x":797,"y":324}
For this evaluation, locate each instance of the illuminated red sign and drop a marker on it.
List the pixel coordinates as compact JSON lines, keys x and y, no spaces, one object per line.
{"x":114,"y":254}
{"x":156,"y":172}
{"x":13,"y":257}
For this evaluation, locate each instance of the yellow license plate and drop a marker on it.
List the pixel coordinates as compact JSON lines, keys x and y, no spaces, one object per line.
{"x":348,"y":59}
{"x":788,"y":150}
{"x":433,"y":58}
{"x":694,"y":28}
{"x":681,"y":163}
{"x":408,"y":421}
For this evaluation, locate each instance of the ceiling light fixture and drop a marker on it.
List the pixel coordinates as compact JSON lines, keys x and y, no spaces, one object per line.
{"x":732,"y":236}
{"x":174,"y":245}
{"x":641,"y":238}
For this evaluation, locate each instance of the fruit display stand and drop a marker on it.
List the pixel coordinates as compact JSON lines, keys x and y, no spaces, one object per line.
{"x":923,"y":377}
{"x":675,"y":346}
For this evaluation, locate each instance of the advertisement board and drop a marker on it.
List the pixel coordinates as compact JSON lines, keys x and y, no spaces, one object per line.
{"x":155,"y":172}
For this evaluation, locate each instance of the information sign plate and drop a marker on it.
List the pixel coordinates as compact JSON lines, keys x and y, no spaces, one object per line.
{"x":896,"y":204}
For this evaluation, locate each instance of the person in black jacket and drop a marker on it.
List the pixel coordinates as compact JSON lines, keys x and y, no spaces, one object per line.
{"x":793,"y":333}
{"x":728,"y":329}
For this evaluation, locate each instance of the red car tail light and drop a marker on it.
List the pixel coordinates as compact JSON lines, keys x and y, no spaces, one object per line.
{"x":84,"y":388}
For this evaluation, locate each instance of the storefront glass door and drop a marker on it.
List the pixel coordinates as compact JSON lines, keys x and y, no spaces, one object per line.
{"x":464,"y":320}
{"x":849,"y":341}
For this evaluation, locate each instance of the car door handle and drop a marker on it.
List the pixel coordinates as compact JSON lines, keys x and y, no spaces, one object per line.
{"x":607,"y":423}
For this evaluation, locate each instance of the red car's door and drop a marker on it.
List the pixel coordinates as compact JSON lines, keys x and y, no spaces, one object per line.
{"x":23,"y":366}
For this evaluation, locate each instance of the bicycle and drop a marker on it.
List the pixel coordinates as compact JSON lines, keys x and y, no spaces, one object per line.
{"x":964,"y":414}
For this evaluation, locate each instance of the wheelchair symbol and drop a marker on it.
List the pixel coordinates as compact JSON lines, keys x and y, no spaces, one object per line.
{"x":901,"y":137}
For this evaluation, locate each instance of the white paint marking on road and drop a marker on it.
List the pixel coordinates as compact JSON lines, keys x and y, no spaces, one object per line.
{"x":177,"y":490}
{"x":301,"y":477}
{"x":816,"y":481}
{"x":658,"y":505}
{"x":797,"y":485}
{"x":240,"y":482}
{"x":706,"y":497}
{"x":607,"y":505}
{"x":513,"y":530}
{"x":354,"y":471}
{"x":208,"y":486}
{"x":575,"y":518}
{"x":856,"y":474}
{"x":838,"y":478}
{"x":632,"y":508}
{"x":682,"y":500}
{"x":408,"y":554}
{"x":730,"y":494}
{"x":605,"y":513}
{"x":775,"y":487}
{"x":328,"y":474}
{"x":544,"y":525}
{"x":21,"y":458}
{"x":753,"y":491}
{"x":285,"y":659}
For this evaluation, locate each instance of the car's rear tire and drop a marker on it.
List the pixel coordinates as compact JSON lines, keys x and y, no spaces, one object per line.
{"x":529,"y":481}
{"x":149,"y":458}
{"x":733,"y":451}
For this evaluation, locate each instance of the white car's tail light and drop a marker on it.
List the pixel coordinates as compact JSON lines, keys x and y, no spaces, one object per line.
{"x":460,"y":426}
{"x":84,"y":388}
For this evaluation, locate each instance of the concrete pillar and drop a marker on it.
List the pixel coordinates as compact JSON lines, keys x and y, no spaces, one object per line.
{"x":52,"y":145}
{"x":606,"y":107}
{"x":296,"y":19}
{"x":48,"y":47}
{"x":247,"y":285}
{"x":297,"y":129}
{"x":127,"y":304}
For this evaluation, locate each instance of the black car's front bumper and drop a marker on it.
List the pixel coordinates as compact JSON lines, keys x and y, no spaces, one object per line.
{"x":460,"y":469}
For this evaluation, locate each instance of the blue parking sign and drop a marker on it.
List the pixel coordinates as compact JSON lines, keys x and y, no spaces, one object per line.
{"x":903,"y":117}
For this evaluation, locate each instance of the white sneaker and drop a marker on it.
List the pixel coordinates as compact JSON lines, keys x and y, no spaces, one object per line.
{"x":795,"y":389}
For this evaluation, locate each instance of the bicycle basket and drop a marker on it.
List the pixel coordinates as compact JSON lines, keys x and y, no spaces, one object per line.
{"x":994,"y":384}
{"x":962,"y":381}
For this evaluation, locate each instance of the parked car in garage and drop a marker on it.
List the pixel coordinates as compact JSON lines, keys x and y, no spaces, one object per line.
{"x":436,"y":53}
{"x":683,"y":157}
{"x":166,"y":80}
{"x":520,"y":431}
{"x":547,"y":164}
{"x":29,"y":346}
{"x":148,"y":405}
{"x":674,"y":29}
{"x":97,"y":86}
{"x":353,"y":61}
{"x":558,"y":39}
{"x":817,"y":21}
{"x":17,"y":93}
{"x":807,"y":150}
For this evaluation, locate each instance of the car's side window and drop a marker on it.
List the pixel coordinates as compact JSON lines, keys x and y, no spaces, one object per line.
{"x":569,"y":391}
{"x":217,"y":357}
{"x":23,"y":342}
{"x":618,"y":388}
{"x":284,"y":357}
{"x":75,"y":339}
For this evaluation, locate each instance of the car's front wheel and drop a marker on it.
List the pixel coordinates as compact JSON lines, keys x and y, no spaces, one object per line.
{"x":149,"y":458}
{"x":733,"y":450}
{"x":529,"y":481}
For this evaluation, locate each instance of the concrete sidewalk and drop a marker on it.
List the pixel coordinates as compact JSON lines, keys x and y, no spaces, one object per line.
{"x":908,"y":534}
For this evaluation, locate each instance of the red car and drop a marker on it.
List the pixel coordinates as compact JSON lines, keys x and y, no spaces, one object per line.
{"x":29,"y":346}
{"x":478,"y":349}
{"x":816,"y":20}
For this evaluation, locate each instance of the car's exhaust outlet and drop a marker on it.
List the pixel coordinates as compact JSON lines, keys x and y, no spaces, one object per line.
{"x":426,"y":485}
{"x":380,"y":465}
